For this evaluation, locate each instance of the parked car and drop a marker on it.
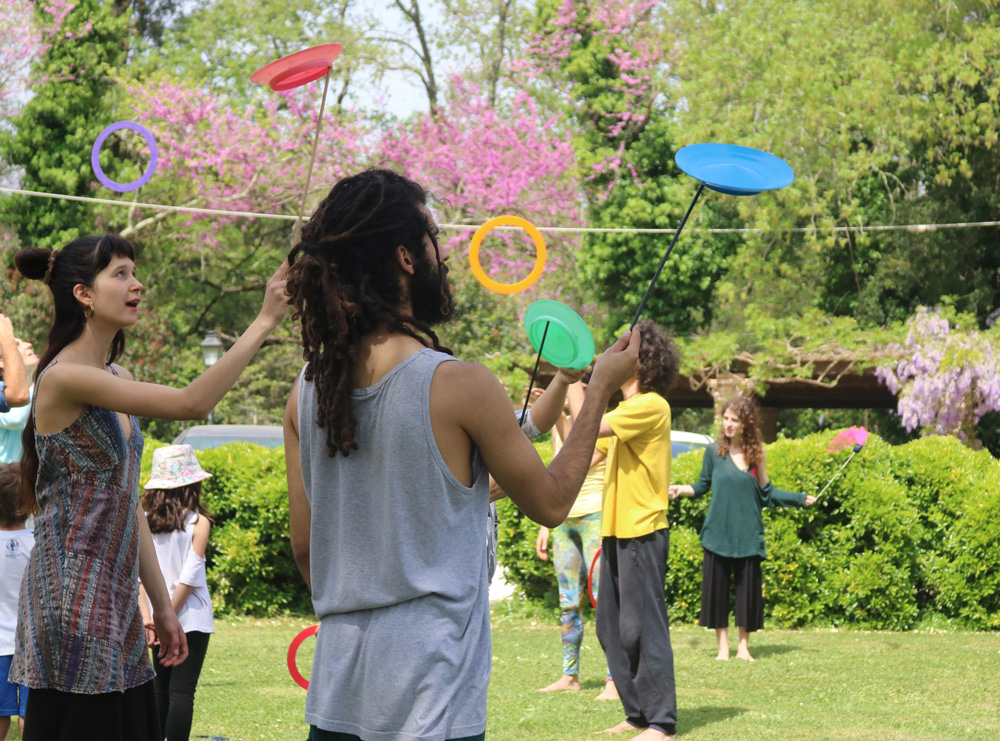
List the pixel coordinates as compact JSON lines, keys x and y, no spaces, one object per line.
{"x":201,"y":437}
{"x":682,"y":442}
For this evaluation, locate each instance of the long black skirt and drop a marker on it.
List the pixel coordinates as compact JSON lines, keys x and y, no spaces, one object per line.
{"x":116,"y":716}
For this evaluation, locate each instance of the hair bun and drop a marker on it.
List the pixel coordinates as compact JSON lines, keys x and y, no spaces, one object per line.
{"x":32,"y":262}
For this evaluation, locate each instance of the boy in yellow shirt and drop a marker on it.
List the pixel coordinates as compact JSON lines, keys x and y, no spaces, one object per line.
{"x":631,"y":610}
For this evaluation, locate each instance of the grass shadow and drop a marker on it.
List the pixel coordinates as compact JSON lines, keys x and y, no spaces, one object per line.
{"x":775,"y":649}
{"x":691,"y":718}
{"x":592,"y":684}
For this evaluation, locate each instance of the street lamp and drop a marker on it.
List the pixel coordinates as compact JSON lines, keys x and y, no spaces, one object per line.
{"x":211,"y":351}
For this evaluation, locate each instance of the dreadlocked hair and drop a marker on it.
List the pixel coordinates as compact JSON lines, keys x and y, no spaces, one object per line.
{"x":343,"y":284}
{"x":746,"y":410}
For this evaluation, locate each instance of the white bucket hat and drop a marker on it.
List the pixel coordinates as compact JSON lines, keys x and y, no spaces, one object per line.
{"x":174,"y":466}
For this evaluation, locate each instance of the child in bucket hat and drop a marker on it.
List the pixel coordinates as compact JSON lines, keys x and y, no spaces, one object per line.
{"x":180,"y":528}
{"x":175,"y":466}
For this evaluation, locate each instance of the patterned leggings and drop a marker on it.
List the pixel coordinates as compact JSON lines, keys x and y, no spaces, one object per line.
{"x":574,"y":544}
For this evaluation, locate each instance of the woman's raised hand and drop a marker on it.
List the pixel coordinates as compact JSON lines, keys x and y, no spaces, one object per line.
{"x":275,"y":296}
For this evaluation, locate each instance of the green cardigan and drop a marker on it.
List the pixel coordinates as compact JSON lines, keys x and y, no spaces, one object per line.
{"x":734,"y":527}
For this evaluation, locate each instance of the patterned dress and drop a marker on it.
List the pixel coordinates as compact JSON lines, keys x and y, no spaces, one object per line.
{"x":79,"y":628}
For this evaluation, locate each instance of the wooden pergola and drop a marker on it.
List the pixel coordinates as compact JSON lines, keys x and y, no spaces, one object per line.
{"x":836,"y":381}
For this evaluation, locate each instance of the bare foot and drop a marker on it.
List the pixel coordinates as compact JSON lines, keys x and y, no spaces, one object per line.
{"x":745,"y":656}
{"x":653,"y":734}
{"x":566,"y":682}
{"x":623,"y":727}
{"x":610,"y":692}
{"x":723,"y":656}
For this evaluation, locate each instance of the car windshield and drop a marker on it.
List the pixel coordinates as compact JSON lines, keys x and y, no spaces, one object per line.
{"x":677,"y":448}
{"x":214,"y":441}
{"x":203,"y":437}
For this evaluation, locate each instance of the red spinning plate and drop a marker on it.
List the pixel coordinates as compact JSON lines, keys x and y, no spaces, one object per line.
{"x":843,"y":441}
{"x":298,"y":68}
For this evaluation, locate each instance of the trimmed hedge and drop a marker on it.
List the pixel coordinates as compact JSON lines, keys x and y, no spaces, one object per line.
{"x":250,"y":564}
{"x":904,"y":534}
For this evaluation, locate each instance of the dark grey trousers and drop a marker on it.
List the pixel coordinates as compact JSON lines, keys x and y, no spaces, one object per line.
{"x":633,"y":630}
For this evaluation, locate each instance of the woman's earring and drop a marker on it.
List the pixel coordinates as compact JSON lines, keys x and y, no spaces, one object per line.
{"x":88,"y":311}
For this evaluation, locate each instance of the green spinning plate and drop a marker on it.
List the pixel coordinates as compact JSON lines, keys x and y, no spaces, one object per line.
{"x":568,"y":342}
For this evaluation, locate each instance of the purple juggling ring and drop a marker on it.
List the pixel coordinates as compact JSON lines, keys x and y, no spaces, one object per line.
{"x":150,"y":168}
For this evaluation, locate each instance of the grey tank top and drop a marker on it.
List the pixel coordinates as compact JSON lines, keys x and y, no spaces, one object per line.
{"x":398,"y":568}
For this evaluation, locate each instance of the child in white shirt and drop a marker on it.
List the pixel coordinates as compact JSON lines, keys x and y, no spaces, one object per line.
{"x":16,"y":541}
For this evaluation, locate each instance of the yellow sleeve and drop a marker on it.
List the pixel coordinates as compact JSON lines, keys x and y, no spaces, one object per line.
{"x":634,"y":416}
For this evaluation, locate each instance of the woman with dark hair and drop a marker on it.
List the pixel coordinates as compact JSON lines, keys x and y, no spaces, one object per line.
{"x":180,"y":528}
{"x":81,"y":646}
{"x":735,"y":469}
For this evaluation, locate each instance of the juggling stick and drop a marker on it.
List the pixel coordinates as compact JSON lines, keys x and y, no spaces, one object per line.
{"x":531,"y":383}
{"x":297,"y":231}
{"x":663,"y":262}
{"x":292,"y":71}
{"x":856,"y":437}
{"x":725,"y":168}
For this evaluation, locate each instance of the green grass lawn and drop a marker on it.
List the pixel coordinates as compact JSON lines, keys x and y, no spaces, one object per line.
{"x":810,"y":684}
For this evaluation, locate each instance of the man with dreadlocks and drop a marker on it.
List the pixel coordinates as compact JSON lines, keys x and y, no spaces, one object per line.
{"x":389,"y":442}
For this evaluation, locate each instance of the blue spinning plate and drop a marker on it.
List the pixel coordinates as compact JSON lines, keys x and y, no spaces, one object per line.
{"x":735,"y":170}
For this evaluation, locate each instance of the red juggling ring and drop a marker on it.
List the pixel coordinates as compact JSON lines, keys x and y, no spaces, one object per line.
{"x":293,"y":668}
{"x":590,"y":578}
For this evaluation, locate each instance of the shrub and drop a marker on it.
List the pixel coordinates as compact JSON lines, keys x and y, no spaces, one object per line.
{"x":250,"y":564}
{"x":904,"y":533}
{"x":534,"y":578}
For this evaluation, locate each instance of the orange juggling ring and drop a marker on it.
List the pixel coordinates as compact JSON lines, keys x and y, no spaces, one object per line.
{"x":477,"y":268}
{"x":293,"y":668}
{"x":298,"y":68}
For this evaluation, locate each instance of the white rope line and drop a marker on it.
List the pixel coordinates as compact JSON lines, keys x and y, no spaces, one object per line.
{"x":162,"y":207}
{"x":918,"y":228}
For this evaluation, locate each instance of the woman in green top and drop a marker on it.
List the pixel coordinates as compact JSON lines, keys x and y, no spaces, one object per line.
{"x":735,"y":469}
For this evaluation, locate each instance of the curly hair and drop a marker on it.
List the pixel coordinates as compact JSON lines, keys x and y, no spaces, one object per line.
{"x":746,"y":410}
{"x":343,"y":284}
{"x":166,"y":508}
{"x":659,"y":358}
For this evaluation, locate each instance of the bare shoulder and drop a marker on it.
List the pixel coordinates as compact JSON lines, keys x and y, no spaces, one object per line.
{"x":63,"y":373}
{"x":465,"y":372}
{"x":467,"y":381}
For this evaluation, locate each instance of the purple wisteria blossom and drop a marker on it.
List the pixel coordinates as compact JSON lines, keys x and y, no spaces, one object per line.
{"x":947,"y":378}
